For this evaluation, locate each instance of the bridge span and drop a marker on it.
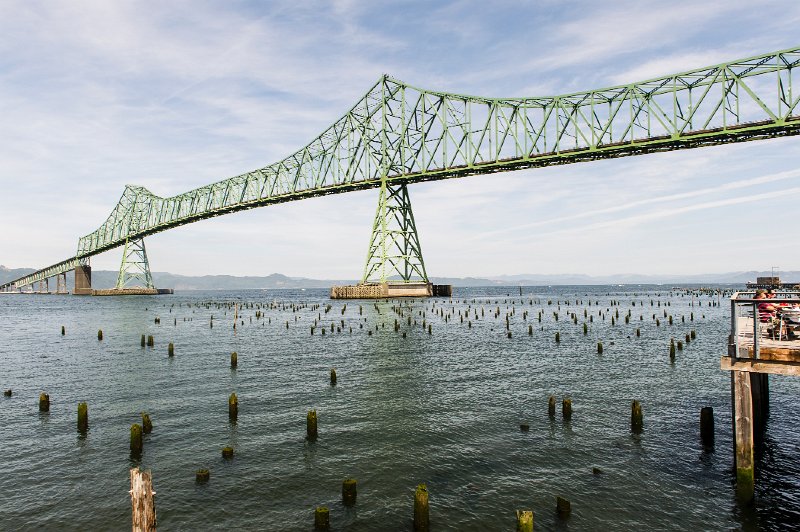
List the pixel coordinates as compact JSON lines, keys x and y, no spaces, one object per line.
{"x":398,"y":134}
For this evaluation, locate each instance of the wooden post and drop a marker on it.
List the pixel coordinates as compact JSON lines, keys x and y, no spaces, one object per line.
{"x":759,"y":384}
{"x":44,"y":402}
{"x":421,"y":509}
{"x":142,"y":503}
{"x":100,"y":334}
{"x":63,"y":331}
{"x":202,"y":476}
{"x":143,"y":341}
{"x":171,"y":349}
{"x":311,"y":425}
{"x":563,"y":507}
{"x":707,"y":426}
{"x":743,"y":432}
{"x":322,"y":518}
{"x":637,"y":419}
{"x":136,"y":439}
{"x":551,"y":407}
{"x":333,"y":376}
{"x":566,"y":409}
{"x":233,"y":407}
{"x":83,"y":417}
{"x":227,"y":452}
{"x":349,"y":492}
{"x":234,"y":360}
{"x":147,"y":425}
{"x":524,"y":521}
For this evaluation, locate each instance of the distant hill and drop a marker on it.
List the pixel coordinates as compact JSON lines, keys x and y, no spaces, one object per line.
{"x":107,"y":279}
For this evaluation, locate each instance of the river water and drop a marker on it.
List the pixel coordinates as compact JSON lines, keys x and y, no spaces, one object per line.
{"x":442,"y":407}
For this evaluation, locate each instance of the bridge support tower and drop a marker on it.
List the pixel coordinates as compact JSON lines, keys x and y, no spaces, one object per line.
{"x":394,"y":265}
{"x":134,"y":272}
{"x":134,"y":277}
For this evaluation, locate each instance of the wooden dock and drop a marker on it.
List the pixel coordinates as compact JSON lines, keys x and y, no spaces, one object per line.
{"x":754,"y":353}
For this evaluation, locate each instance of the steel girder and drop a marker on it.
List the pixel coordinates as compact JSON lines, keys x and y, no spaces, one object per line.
{"x":399,"y":134}
{"x":408,"y":134}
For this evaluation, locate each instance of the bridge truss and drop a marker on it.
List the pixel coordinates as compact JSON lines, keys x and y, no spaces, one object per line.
{"x":398,"y":134}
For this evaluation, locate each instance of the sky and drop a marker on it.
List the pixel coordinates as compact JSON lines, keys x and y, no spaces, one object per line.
{"x":175,"y":95}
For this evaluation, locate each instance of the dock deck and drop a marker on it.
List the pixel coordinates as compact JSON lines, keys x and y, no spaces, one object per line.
{"x":756,"y":350}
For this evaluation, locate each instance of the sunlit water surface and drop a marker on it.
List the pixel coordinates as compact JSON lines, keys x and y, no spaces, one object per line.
{"x":443,"y":408}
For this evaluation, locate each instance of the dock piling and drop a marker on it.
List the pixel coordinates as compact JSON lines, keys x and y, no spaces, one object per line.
{"x":421,"y":509}
{"x":524,"y":521}
{"x":707,"y":426}
{"x":44,"y":402}
{"x":142,"y":504}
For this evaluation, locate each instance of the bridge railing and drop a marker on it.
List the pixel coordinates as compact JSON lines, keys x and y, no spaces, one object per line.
{"x":764,"y":327}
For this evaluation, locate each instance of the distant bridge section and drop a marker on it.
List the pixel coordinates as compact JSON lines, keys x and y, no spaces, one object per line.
{"x":400,"y":134}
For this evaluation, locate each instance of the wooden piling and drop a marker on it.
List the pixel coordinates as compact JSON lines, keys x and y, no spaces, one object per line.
{"x":7,"y":393}
{"x":743,"y":435}
{"x":227,"y":452}
{"x":143,"y":341}
{"x":566,"y":409}
{"x":233,"y":407}
{"x":311,"y":425}
{"x":171,"y":349}
{"x":147,"y":424}
{"x":524,"y":521}
{"x":137,"y":441}
{"x":551,"y":407}
{"x":563,"y":507}
{"x":637,"y":419}
{"x":421,"y":509}
{"x":63,"y":331}
{"x":333,"y":376}
{"x":349,"y":492}
{"x":322,"y":519}
{"x":599,"y":348}
{"x":202,"y":476}
{"x":142,"y":504}
{"x":44,"y":402}
{"x":707,"y":426}
{"x":150,"y":341}
{"x":100,"y":334}
{"x":234,"y":360}
{"x":83,"y":417}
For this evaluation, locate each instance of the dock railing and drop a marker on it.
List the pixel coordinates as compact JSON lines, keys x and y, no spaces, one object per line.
{"x":754,"y":325}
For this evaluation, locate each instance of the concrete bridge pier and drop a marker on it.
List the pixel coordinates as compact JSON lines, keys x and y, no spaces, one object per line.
{"x":83,"y":280}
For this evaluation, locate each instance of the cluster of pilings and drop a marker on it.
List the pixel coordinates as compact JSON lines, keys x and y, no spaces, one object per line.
{"x":574,"y":317}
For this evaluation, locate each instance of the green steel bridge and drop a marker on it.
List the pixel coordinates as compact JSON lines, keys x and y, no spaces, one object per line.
{"x":398,"y":134}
